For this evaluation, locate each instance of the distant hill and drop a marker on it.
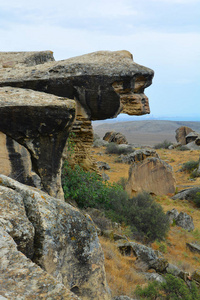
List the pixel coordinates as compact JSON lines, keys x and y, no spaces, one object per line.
{"x":145,"y":132}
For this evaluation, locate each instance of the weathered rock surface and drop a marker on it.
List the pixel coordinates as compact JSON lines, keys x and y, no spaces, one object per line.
{"x":66,"y":245}
{"x":187,"y":194}
{"x":20,"y":278}
{"x":102,"y":165}
{"x":185,"y":221}
{"x":138,"y":155}
{"x":152,"y":175}
{"x":181,"y":134}
{"x":37,"y":121}
{"x":115,"y":137}
{"x":181,"y":219}
{"x":146,"y":256}
{"x":103,"y":84}
{"x":191,"y":137}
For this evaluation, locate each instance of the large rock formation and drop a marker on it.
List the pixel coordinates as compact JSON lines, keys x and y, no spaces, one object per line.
{"x":58,"y":239}
{"x":103,"y":84}
{"x":115,"y":137}
{"x":41,"y":123}
{"x":152,"y":175}
{"x":181,"y":134}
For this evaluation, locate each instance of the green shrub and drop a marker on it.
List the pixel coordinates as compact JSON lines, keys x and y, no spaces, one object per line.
{"x":147,"y":218}
{"x":122,"y":182}
{"x":164,"y":145}
{"x":172,"y":289}
{"x":182,"y":148}
{"x":197,"y":199}
{"x":144,"y":216}
{"x":190,"y":166}
{"x":113,"y":148}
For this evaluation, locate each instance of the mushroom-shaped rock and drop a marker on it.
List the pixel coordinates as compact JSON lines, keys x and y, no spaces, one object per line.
{"x":41,"y":123}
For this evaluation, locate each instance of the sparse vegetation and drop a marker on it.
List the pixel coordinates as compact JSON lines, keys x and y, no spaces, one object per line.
{"x":145,"y":217}
{"x":172,"y":289}
{"x":164,"y":145}
{"x":191,"y":167}
{"x":113,"y":148}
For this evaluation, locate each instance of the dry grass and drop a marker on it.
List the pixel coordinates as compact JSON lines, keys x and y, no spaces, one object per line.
{"x":121,"y":273}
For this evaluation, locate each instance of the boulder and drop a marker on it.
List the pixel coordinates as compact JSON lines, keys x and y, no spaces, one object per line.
{"x":115,"y":137}
{"x":152,"y":175}
{"x":22,"y":279}
{"x":38,"y":122}
{"x":66,"y":244}
{"x":122,"y":298}
{"x":155,"y":277}
{"x":187,"y":194}
{"x":196,"y":276}
{"x":181,"y":134}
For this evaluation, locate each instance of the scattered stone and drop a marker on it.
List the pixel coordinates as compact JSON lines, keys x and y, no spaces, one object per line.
{"x":103,"y":165}
{"x":122,"y":298}
{"x":152,"y":175}
{"x":187,"y":194}
{"x":105,"y":176}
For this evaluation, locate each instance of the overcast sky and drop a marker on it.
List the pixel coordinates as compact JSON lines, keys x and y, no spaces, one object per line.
{"x":163,"y":35}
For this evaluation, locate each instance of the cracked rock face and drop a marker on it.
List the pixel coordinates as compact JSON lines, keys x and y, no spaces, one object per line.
{"x":66,"y":244}
{"x":41,"y":123}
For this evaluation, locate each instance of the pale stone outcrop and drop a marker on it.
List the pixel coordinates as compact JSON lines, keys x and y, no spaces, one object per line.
{"x":152,"y":175}
{"x":66,"y":244}
{"x":103,"y":84}
{"x":41,"y":123}
{"x":21,"y":279}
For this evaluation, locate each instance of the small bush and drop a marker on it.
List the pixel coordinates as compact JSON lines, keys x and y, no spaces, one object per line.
{"x":189,"y":166}
{"x":122,"y":182}
{"x":182,"y":148}
{"x":147,"y":218}
{"x":197,"y":199}
{"x":172,"y":289}
{"x":113,"y":148}
{"x":164,"y":145}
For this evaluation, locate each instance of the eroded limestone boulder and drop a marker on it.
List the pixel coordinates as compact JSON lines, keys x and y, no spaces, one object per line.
{"x":152,"y":175}
{"x":41,"y":123}
{"x":66,"y":244}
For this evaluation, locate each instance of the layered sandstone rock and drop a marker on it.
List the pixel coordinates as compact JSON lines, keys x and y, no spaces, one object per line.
{"x":57,"y":237}
{"x":152,"y":175}
{"x":41,"y":123}
{"x":103,"y":84}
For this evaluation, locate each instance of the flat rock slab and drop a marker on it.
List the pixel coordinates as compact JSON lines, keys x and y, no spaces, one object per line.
{"x":103,"y":82}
